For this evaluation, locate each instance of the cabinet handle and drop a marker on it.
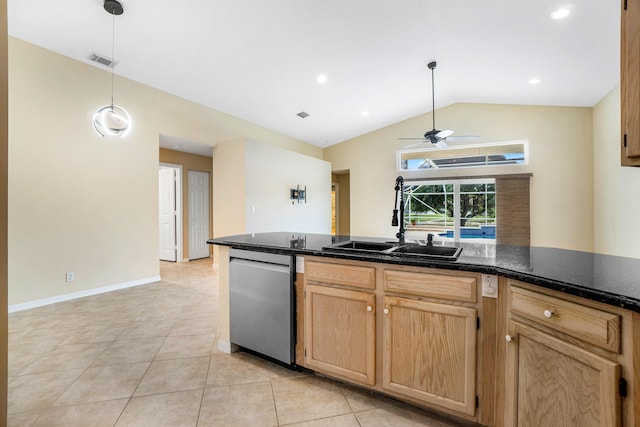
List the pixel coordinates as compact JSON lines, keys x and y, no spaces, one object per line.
{"x":548,"y":313}
{"x":508,"y":338}
{"x":385,"y":311}
{"x":369,"y":308}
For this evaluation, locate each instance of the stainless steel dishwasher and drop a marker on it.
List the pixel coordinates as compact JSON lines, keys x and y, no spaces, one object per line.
{"x":262,"y":303}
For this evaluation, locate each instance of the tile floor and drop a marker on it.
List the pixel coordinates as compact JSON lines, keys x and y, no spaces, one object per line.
{"x":146,"y":356}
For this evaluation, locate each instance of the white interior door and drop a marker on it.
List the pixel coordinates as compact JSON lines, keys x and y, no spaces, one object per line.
{"x":198,"y":214}
{"x":167,"y":214}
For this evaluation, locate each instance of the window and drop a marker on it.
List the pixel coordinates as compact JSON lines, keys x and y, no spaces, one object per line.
{"x":463,"y":156}
{"x":433,"y":206}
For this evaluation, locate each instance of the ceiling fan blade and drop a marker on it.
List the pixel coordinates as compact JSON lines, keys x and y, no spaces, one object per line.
{"x":413,"y":139}
{"x":462,"y":137}
{"x":414,"y":145}
{"x":444,"y":133}
{"x":441,"y":144}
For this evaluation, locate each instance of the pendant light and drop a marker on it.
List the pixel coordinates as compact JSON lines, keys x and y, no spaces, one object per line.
{"x":112,"y":120}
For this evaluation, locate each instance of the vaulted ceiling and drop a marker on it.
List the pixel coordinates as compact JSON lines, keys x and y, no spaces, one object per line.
{"x":260,"y":60}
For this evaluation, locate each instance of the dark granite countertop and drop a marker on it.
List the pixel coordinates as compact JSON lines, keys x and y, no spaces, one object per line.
{"x":609,"y":279}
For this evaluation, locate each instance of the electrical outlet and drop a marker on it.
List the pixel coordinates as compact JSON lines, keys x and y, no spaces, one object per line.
{"x":71,"y":276}
{"x":490,"y":285}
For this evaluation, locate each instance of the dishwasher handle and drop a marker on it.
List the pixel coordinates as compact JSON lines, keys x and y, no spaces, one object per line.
{"x":279,"y":268}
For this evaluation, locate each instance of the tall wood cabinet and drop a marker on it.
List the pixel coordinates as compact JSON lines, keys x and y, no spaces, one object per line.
{"x":630,"y":82}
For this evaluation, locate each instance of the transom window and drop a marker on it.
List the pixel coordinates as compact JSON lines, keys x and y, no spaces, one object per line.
{"x":463,"y":156}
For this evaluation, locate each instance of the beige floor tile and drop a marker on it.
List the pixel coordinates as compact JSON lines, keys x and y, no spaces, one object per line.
{"x":238,"y":406}
{"x":129,"y":351}
{"x":166,"y":376}
{"x":37,"y":391}
{"x":187,"y":346}
{"x":104,"y":383}
{"x":95,"y":414}
{"x":24,"y":419}
{"x":194,"y":326}
{"x":67,"y":357}
{"x":146,"y":329}
{"x":348,"y":420}
{"x":307,"y":398}
{"x":362,"y":400}
{"x":95,"y":334}
{"x":162,"y":410}
{"x":278,"y":372}
{"x":398,"y":417}
{"x":39,"y":341}
{"x":238,"y":368}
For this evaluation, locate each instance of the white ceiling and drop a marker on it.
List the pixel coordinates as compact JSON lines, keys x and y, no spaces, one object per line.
{"x":259,"y":60}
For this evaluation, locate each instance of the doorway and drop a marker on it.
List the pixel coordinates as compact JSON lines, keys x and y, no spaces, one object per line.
{"x":169,"y":212}
{"x":198,"y":214}
{"x":340,"y":203}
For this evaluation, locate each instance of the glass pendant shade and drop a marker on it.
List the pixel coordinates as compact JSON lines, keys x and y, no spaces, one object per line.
{"x":111,"y":120}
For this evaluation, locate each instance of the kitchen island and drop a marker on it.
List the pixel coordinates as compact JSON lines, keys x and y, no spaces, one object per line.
{"x":556,"y":341}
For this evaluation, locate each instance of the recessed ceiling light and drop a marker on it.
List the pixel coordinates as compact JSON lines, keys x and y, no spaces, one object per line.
{"x":561,"y":13}
{"x":365,"y":113}
{"x":534,"y":81}
{"x":321,"y":79}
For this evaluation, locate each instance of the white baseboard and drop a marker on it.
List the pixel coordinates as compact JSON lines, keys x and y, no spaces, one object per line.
{"x":227,"y":347}
{"x":80,"y":294}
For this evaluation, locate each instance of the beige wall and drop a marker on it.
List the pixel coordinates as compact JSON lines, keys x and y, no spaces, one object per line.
{"x":189,"y":162}
{"x":3,"y":211}
{"x":561,"y":160}
{"x":271,"y":172}
{"x":616,"y":199}
{"x":82,"y":203}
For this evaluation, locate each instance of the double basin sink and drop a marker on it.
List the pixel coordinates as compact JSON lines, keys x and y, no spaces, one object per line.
{"x":447,"y":253}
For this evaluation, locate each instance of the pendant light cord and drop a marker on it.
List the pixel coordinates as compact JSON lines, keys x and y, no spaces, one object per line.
{"x":113,"y":49}
{"x":433,"y":99}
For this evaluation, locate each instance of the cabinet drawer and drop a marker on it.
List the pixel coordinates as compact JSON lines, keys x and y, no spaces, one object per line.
{"x":340,"y":274}
{"x":588,"y":324}
{"x":458,"y":288}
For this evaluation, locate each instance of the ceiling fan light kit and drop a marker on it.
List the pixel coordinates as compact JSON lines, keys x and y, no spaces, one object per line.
{"x":112,"y":120}
{"x":435,"y":136}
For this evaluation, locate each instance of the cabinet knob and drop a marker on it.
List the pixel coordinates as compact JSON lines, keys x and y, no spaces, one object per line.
{"x":549,"y":313}
{"x":508,"y":338}
{"x":369,"y":308}
{"x":386,"y":310}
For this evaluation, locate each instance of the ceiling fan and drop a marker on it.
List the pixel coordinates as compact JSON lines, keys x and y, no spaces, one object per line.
{"x":435,"y":136}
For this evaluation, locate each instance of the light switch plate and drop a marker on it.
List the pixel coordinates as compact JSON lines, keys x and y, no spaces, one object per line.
{"x":490,"y":285}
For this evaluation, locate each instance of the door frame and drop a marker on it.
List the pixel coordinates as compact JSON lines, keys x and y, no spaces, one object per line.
{"x":336,"y":187}
{"x":179,"y":224}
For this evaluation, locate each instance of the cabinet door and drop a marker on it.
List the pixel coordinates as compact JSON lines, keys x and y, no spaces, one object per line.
{"x":429,"y":352}
{"x":340,"y":331}
{"x":553,"y":383}
{"x":630,"y":82}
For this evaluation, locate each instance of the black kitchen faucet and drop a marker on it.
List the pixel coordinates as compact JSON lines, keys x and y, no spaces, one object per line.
{"x":394,"y":221}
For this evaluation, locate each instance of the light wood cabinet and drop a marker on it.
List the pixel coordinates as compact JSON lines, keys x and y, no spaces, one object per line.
{"x":340,"y":332}
{"x":557,"y":372}
{"x":429,"y":352}
{"x":553,"y":383}
{"x":630,"y":82}
{"x":409,"y":332}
